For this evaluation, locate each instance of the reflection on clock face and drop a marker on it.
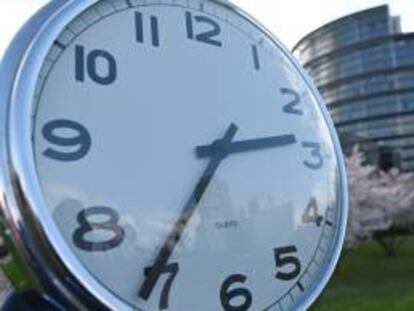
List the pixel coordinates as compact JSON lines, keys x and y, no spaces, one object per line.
{"x":184,"y":158}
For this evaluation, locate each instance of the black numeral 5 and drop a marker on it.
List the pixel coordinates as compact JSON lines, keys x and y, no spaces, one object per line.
{"x":284,"y":258}
{"x":207,"y":36}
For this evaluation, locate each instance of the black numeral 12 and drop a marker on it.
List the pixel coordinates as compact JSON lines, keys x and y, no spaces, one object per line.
{"x":208,"y":36}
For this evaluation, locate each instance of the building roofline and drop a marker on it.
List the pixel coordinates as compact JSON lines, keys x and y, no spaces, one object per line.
{"x":361,"y":45}
{"x":340,"y":20}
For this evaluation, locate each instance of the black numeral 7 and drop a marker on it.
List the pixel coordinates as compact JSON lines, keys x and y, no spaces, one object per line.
{"x":171,"y":269}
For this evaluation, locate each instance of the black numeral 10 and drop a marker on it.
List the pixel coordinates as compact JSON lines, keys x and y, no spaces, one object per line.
{"x":99,"y":65}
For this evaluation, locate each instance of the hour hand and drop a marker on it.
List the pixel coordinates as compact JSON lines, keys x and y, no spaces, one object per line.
{"x":246,"y":145}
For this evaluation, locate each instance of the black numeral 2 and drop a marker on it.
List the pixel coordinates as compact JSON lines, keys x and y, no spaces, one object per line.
{"x":87,"y":63}
{"x":140,"y":29}
{"x":87,"y":226}
{"x":293,"y":107}
{"x":207,"y":36}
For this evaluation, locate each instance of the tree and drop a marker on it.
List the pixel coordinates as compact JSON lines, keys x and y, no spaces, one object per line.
{"x":381,"y":204}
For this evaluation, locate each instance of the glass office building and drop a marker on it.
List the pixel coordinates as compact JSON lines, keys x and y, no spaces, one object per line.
{"x":363,"y":66}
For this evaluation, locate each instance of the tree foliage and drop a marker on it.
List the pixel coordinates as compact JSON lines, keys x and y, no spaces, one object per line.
{"x":381,"y":204}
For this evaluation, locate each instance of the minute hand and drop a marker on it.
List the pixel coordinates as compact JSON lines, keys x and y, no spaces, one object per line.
{"x":174,"y":237}
{"x":247,"y":145}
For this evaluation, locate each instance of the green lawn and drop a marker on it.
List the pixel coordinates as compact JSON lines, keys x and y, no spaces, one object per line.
{"x":367,"y":280}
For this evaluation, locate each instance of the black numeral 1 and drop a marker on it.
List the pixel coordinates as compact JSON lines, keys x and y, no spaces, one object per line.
{"x":256,"y":60}
{"x":140,"y":32}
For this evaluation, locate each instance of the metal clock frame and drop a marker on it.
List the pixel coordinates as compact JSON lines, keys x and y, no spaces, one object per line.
{"x":27,"y":226}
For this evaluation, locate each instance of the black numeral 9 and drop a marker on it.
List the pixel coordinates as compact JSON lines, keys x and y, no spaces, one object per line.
{"x":81,"y":141}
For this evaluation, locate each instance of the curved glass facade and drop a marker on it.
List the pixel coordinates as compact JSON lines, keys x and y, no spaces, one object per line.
{"x":363,"y":66}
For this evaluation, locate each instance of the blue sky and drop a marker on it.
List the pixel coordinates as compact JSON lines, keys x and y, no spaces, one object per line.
{"x":288,"y":19}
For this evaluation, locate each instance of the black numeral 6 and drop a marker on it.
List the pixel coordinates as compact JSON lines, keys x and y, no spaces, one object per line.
{"x":240,"y":296}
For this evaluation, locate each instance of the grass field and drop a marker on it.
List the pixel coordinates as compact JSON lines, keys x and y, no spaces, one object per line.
{"x":367,"y":280}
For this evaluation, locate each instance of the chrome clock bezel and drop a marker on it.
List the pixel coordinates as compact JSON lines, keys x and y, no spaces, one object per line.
{"x":52,"y":265}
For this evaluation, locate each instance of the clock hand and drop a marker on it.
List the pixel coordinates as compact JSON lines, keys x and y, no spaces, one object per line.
{"x":246,"y":145}
{"x":175,"y":235}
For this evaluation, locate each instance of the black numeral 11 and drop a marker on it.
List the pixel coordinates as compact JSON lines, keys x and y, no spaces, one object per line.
{"x":140,"y":32}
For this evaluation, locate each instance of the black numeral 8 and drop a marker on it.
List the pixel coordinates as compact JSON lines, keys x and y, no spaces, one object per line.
{"x":88,"y":226}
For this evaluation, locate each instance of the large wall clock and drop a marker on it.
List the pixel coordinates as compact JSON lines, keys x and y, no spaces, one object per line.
{"x":167,"y":155}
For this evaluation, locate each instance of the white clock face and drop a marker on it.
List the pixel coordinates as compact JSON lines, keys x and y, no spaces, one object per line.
{"x":185,"y":160}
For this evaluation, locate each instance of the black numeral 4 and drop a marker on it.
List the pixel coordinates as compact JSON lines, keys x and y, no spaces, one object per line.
{"x":209,"y":32}
{"x":311,"y":214}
